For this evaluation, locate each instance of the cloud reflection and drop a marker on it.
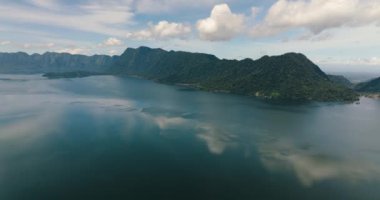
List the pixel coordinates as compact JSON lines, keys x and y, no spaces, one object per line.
{"x":29,"y":125}
{"x":37,"y":107}
{"x":171,"y":122}
{"x":216,"y":138}
{"x":311,"y":166}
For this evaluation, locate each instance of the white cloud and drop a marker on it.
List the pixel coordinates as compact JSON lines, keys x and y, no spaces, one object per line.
{"x":317,"y":15}
{"x":36,"y":45}
{"x":48,"y":4}
{"x":162,"y":30}
{"x":27,"y":45}
{"x":221,"y":25}
{"x":370,"y":61}
{"x":50,"y":44}
{"x":97,"y":17}
{"x":255,"y":11}
{"x":112,"y":42}
{"x":4,"y":42}
{"x":113,"y":52}
{"x":72,"y":50}
{"x":164,"y":6}
{"x":311,"y":37}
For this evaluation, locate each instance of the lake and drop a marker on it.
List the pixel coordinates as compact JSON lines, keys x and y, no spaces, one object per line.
{"x":106,"y":137}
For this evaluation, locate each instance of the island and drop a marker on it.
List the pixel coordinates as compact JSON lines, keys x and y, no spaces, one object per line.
{"x":74,"y":74}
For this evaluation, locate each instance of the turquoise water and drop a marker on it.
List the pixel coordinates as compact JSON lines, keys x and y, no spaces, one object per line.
{"x":108,"y":137}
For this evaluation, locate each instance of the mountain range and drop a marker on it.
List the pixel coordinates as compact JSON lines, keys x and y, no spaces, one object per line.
{"x":369,"y":86}
{"x":21,"y":63}
{"x":288,"y":77}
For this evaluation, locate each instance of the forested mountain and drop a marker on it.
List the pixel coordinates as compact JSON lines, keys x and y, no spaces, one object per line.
{"x":52,"y":62}
{"x":341,"y":80}
{"x":287,"y":77}
{"x":370,"y":86}
{"x":290,"y":76}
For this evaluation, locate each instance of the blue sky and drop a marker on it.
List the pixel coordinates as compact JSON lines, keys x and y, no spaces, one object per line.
{"x":337,"y":35}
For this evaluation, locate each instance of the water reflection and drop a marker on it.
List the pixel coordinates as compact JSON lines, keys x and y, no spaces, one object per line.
{"x":54,"y":128}
{"x":279,"y":153}
{"x":29,"y":126}
{"x":217,"y":140}
{"x":311,"y":166}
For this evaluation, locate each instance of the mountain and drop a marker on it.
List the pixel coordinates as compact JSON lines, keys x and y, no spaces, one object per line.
{"x":52,"y":62}
{"x":290,"y":76}
{"x":372,"y":86}
{"x":341,"y":80}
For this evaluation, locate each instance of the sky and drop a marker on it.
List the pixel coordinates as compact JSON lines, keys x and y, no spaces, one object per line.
{"x":338,"y":35}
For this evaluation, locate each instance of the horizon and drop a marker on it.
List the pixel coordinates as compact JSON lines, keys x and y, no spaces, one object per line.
{"x":254,"y":28}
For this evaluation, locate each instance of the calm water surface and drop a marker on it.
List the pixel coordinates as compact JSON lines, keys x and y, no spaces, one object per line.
{"x":110,"y":137}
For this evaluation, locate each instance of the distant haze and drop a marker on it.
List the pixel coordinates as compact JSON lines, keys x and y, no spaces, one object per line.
{"x":357,"y":73}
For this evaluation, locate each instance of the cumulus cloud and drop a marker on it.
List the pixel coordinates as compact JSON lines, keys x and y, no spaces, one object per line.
{"x":162,"y":30}
{"x":317,"y":15}
{"x":112,"y":42}
{"x":221,"y":25}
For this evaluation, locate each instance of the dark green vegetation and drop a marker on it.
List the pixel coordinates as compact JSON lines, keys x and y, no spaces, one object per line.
{"x":22,"y":63}
{"x":341,"y":80}
{"x":289,"y":77}
{"x":75,"y":74}
{"x":370,"y":86}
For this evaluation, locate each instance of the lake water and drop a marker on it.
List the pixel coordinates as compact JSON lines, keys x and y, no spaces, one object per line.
{"x":108,"y":137}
